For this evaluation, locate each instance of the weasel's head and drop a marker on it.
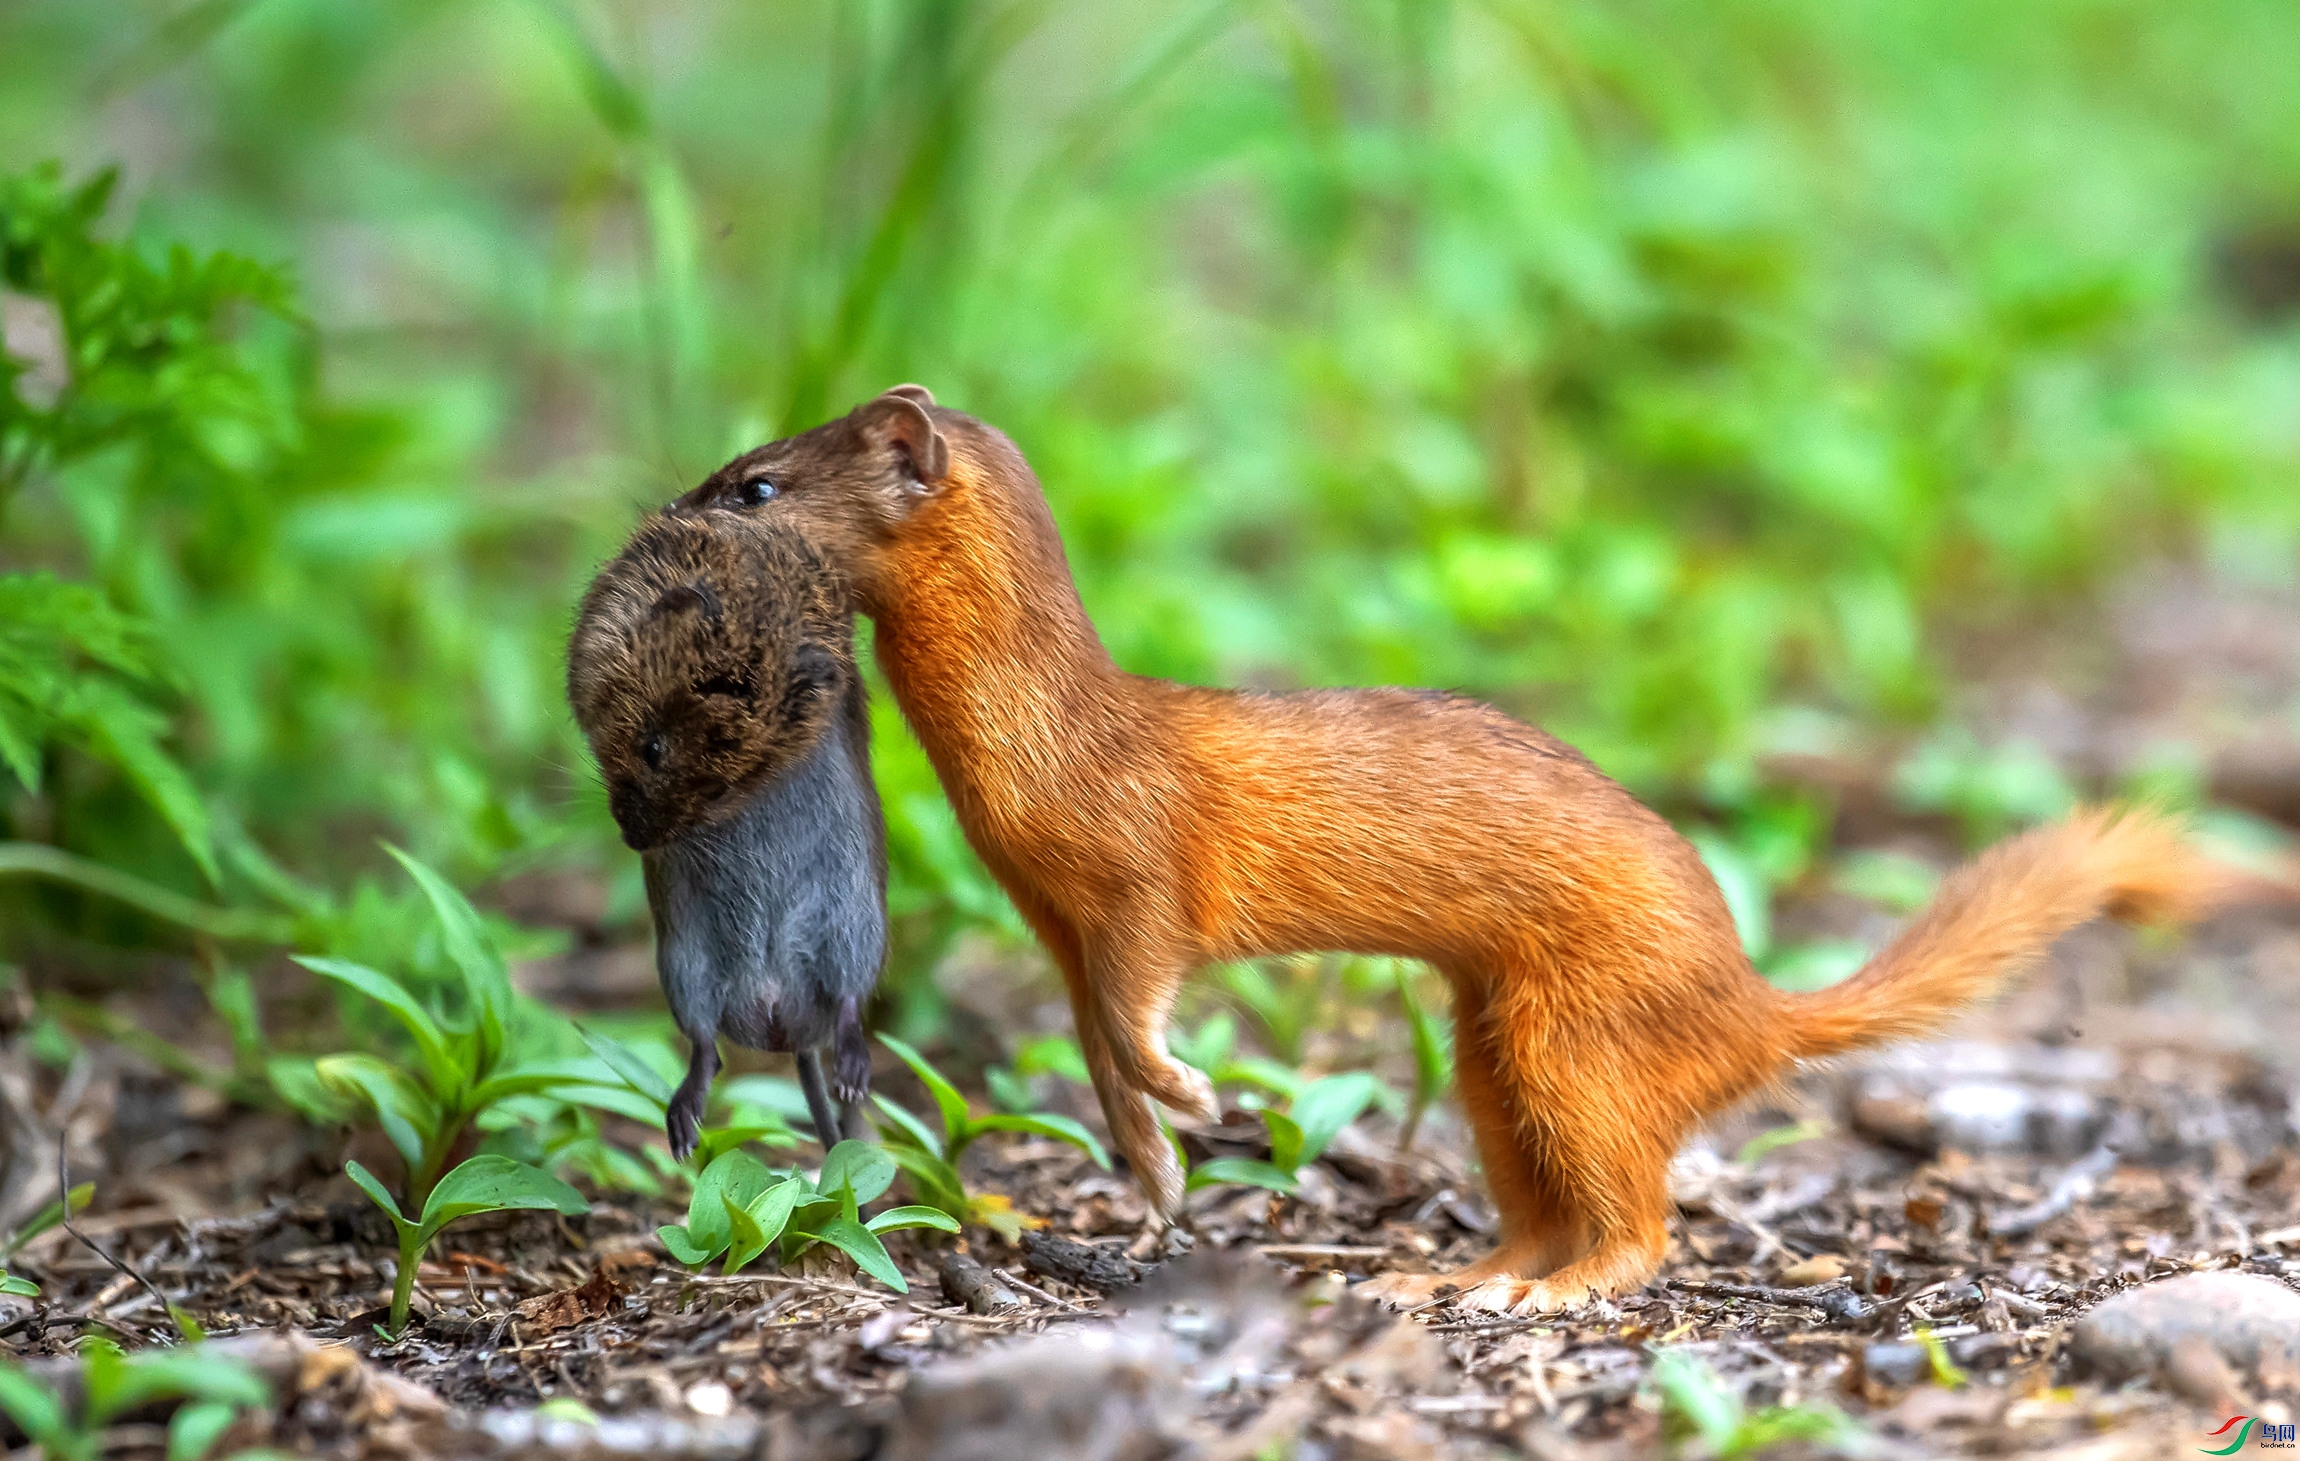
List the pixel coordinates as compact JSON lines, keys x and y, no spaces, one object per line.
{"x":708,"y":658}
{"x":855,"y":485}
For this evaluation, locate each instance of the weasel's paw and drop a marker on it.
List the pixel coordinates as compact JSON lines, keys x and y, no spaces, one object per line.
{"x":683,"y":1120}
{"x":1406,"y":1290}
{"x":1159,"y":1174}
{"x":1185,"y":1091}
{"x":1520,"y":1297}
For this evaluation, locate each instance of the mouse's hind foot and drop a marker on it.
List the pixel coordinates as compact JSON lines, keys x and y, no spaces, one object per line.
{"x":850,"y":1056}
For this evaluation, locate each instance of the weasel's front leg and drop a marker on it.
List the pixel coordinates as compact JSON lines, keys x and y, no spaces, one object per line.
{"x":683,"y":1119}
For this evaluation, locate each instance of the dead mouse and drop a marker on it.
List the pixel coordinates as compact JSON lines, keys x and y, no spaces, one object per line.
{"x":712,"y":670}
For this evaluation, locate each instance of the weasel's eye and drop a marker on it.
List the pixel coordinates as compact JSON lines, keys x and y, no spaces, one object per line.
{"x":755,"y":490}
{"x":651,"y":751}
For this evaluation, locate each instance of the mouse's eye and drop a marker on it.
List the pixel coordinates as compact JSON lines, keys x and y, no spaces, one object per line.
{"x":755,"y":490}
{"x":651,"y":751}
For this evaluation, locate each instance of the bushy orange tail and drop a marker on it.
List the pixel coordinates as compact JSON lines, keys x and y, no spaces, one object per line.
{"x":1998,"y":914}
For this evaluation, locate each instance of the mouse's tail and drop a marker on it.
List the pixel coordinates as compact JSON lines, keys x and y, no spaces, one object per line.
{"x":1996,"y":916}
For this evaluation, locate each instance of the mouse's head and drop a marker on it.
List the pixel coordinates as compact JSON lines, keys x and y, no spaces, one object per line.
{"x":707,"y":658}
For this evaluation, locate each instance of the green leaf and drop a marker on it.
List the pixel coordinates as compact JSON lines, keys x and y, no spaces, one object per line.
{"x":1325,"y":1107}
{"x":33,"y":1407}
{"x":896,"y":1218}
{"x":295,"y":1079}
{"x":439,"y":1059}
{"x":682,"y":1246}
{"x":525,"y":1081}
{"x":621,"y":1100}
{"x":16,"y":1285}
{"x":1245,"y":1171}
{"x":946,"y":1096}
{"x":566,"y":1407}
{"x":737,"y":1175}
{"x":47,"y":1217}
{"x":1057,"y":1055}
{"x":472,"y":952}
{"x":863,"y":1246}
{"x":746,"y":1240}
{"x":380,"y":1195}
{"x":187,"y":1372}
{"x":1691,"y":1392}
{"x":860,"y":1167}
{"x":908,"y":1127}
{"x":932,"y":1179}
{"x":1047,"y":1123}
{"x":195,"y":1428}
{"x":1259,"y":1070}
{"x":628,"y":1067}
{"x":491,"y":1184}
{"x":1285,"y":1141}
{"x":127,"y":732}
{"x":406,"y":1114}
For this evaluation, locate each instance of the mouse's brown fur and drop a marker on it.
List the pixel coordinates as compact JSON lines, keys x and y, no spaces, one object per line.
{"x":706,"y":659}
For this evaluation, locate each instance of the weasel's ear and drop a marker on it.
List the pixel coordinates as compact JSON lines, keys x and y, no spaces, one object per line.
{"x":898,"y":420}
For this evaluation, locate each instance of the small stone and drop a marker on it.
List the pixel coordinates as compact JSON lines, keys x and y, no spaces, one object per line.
{"x":1821,"y":1268}
{"x":2139,"y":1331}
{"x":710,"y":1398}
{"x":1896,"y":1366}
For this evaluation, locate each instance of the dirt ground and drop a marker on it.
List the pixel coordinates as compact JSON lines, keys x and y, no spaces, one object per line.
{"x":1918,"y":1259}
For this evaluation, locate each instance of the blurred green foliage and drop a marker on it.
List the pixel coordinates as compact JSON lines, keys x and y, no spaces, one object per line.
{"x":1678,"y":373}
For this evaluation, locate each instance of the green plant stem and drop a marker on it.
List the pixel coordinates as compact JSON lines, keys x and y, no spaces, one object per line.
{"x":411,"y":1246}
{"x":37,"y":859}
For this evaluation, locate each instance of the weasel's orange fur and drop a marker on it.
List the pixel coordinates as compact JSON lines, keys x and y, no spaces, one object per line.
{"x":1603,"y":1005}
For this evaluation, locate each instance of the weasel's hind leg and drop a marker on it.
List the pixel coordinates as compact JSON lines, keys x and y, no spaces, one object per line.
{"x":819,"y":1108}
{"x":1602,"y":1133}
{"x":1538,"y":1231}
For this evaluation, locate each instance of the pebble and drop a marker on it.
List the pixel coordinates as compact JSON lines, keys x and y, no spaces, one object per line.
{"x":2241,"y":1315}
{"x":1822,"y":1268}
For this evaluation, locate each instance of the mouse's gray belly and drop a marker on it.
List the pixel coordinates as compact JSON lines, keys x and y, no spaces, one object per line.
{"x":767,"y":921}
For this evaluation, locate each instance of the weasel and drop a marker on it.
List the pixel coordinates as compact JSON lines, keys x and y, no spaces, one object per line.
{"x":712,"y":670}
{"x":1603,"y":1003}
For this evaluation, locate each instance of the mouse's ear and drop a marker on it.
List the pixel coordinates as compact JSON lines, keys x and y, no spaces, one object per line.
{"x":898,"y":421}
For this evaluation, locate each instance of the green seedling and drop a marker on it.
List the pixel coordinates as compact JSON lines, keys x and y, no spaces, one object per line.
{"x":1698,"y":1407}
{"x":741,"y":1208}
{"x":1285,"y":1003}
{"x":483,"y":1184}
{"x":213,"y":1391}
{"x":1765,"y":1143}
{"x":461,"y":1063}
{"x":1433,"y":1056}
{"x":561,"y":1135}
{"x":930,"y":1158}
{"x":1945,"y":1372}
{"x":40,"y":1222}
{"x":1017,"y":1088}
{"x":1299,"y":1135}
{"x":644,"y":1095}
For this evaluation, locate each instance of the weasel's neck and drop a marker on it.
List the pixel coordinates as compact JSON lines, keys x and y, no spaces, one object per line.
{"x":982,"y":636}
